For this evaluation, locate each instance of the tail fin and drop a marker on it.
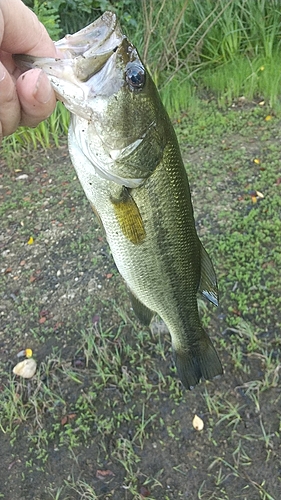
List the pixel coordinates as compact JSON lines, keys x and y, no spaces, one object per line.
{"x":200,"y":361}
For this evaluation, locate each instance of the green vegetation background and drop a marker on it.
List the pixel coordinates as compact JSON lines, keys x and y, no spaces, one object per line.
{"x":227,"y":49}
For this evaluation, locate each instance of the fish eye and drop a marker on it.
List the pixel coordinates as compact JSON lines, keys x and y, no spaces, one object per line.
{"x":135,"y":76}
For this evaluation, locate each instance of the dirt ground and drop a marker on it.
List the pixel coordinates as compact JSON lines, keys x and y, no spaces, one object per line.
{"x":105,"y":415}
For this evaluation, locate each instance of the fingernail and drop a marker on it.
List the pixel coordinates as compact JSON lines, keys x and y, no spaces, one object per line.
{"x":2,"y":72}
{"x":43,"y":90}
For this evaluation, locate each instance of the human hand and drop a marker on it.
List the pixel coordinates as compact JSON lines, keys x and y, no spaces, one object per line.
{"x":25,"y":98}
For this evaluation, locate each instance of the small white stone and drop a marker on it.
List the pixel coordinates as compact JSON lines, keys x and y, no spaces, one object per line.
{"x":22,"y":177}
{"x":25,"y":368}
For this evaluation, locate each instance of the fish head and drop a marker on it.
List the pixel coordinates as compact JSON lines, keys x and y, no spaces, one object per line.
{"x":114,"y":104}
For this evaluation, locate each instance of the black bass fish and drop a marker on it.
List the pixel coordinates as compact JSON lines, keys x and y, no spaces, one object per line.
{"x":126,"y":155}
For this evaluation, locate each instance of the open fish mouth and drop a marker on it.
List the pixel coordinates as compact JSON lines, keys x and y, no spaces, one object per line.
{"x":83,"y":55}
{"x":90,"y":48}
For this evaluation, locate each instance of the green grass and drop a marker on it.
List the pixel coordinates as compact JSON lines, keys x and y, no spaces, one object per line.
{"x":226,"y":50}
{"x":44,"y":135}
{"x":244,"y":230}
{"x":44,"y":410}
{"x":106,"y":396}
{"x":252,"y":79}
{"x":229,"y":48}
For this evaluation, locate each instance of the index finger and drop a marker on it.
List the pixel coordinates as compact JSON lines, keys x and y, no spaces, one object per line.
{"x":21,"y":32}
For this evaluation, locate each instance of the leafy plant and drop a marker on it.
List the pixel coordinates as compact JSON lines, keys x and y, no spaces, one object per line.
{"x":228,"y":49}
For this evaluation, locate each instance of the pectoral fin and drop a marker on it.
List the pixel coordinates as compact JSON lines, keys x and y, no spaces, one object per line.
{"x":129,"y":217}
{"x":143,"y":313}
{"x":208,"y":282}
{"x":97,"y":215}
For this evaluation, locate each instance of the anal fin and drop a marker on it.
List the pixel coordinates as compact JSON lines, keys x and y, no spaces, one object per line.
{"x":143,"y":313}
{"x":208,"y":282}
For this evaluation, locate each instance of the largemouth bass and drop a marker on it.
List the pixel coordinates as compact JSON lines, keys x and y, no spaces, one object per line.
{"x":126,"y":155}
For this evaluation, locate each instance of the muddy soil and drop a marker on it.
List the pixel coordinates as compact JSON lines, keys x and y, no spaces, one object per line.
{"x":111,"y":420}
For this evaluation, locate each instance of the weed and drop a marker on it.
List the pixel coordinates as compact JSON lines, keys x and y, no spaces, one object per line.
{"x":44,"y":135}
{"x":106,"y":396}
{"x":229,"y":48}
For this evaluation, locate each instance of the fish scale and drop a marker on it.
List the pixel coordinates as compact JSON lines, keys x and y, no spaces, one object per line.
{"x":126,"y":155}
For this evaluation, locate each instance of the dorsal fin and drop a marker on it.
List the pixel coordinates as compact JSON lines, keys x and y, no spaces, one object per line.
{"x":208,"y":282}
